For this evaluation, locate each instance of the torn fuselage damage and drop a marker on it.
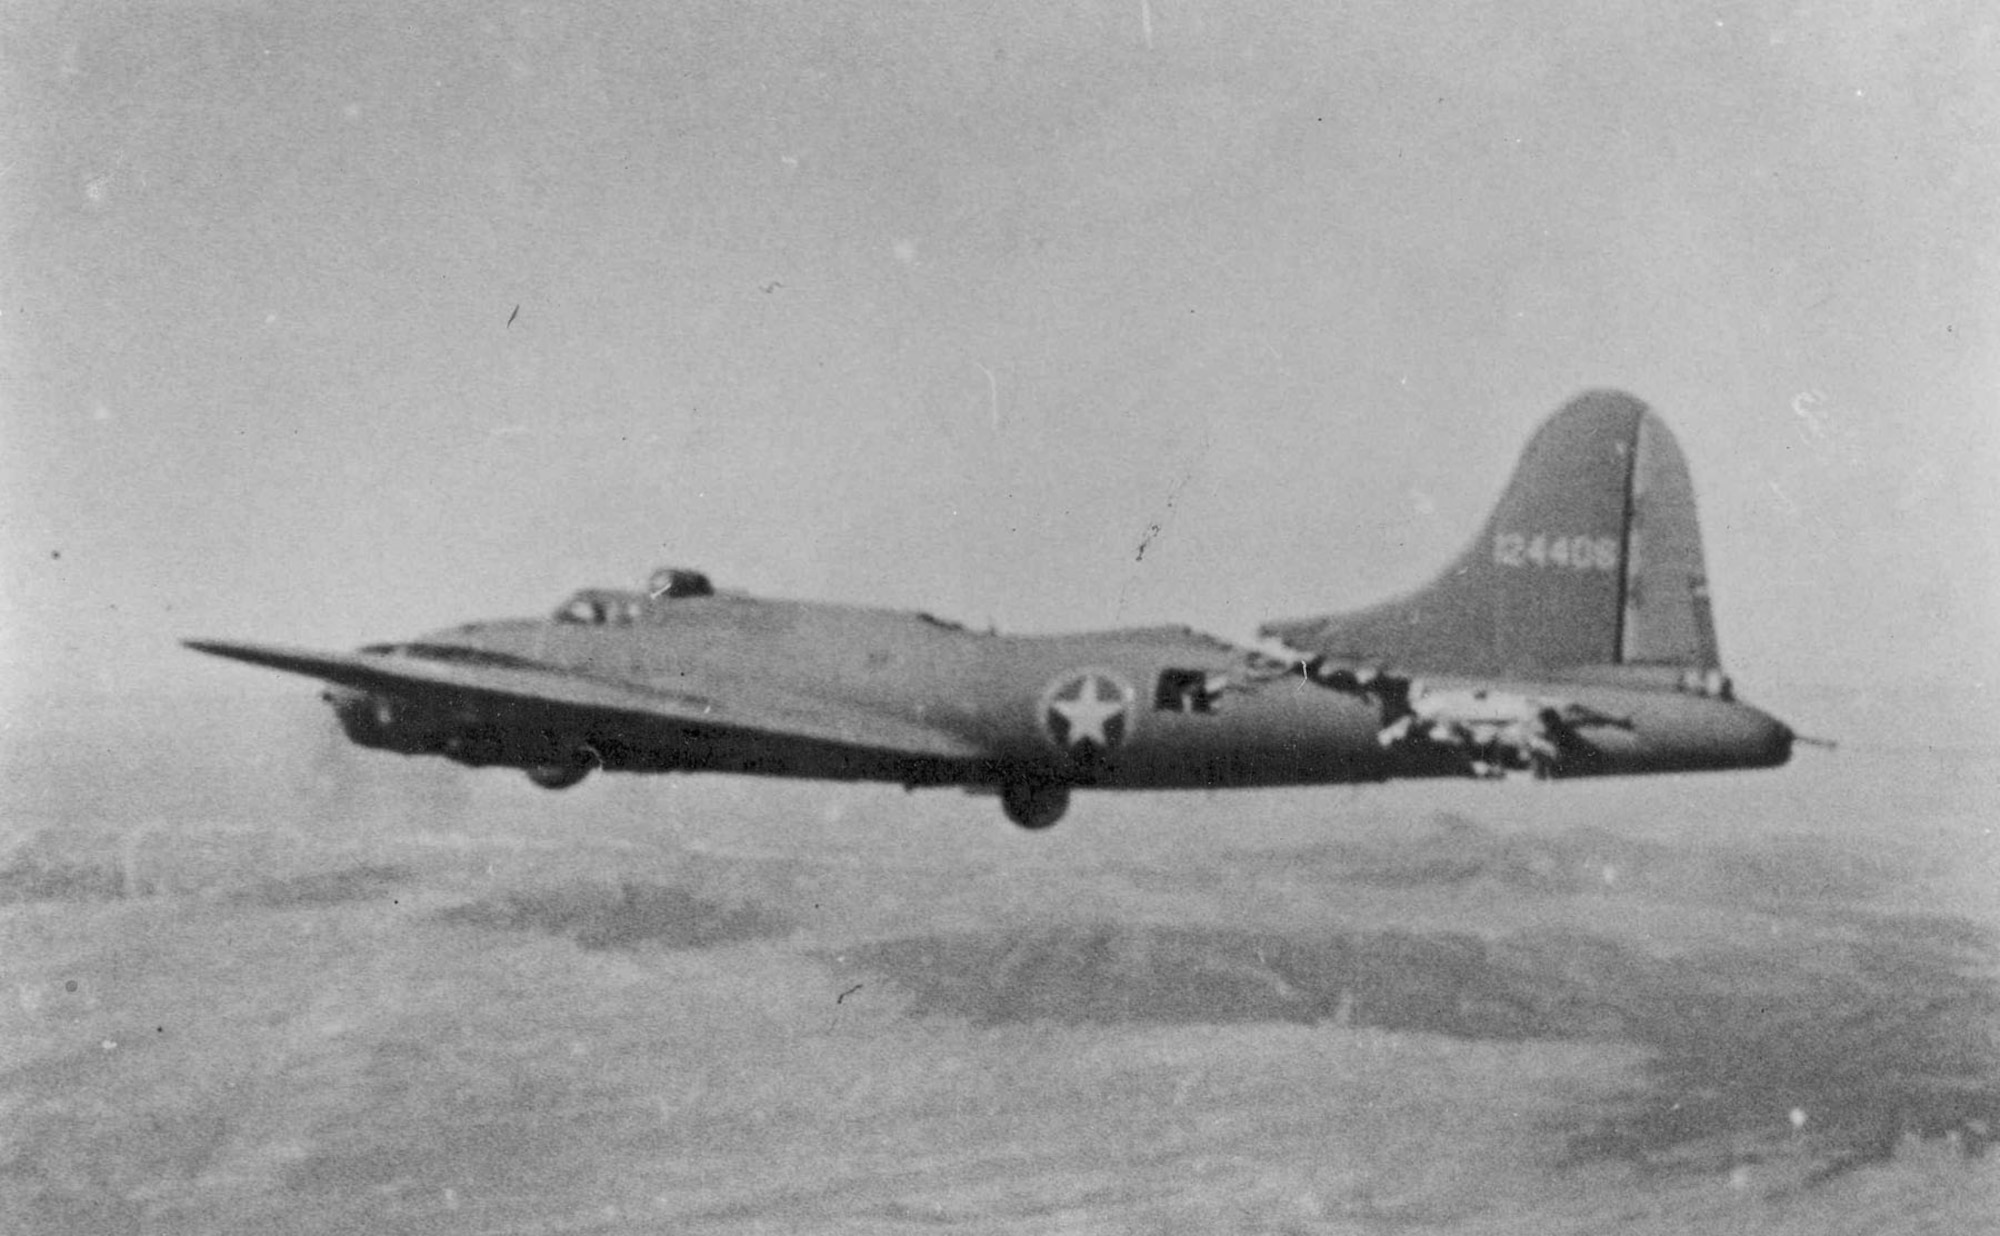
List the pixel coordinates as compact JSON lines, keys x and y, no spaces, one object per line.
{"x":1592,"y":721}
{"x":1492,"y":733}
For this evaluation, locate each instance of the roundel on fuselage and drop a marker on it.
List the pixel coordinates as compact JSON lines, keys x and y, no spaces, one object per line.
{"x":1087,"y":713}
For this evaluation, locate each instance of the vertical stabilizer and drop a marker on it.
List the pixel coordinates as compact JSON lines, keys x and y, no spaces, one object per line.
{"x":1591,"y":558}
{"x":1666,"y":619}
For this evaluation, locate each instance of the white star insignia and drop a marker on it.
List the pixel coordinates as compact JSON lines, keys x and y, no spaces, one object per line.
{"x":1097,"y":702}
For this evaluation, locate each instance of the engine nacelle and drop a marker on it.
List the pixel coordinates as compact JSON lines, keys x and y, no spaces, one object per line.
{"x":414,"y":727}
{"x":390,"y":723}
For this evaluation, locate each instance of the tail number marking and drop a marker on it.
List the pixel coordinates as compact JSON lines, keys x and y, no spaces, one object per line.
{"x":1581,"y":552}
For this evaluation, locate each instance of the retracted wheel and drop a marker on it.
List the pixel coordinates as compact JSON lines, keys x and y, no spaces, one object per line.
{"x":564,"y":772}
{"x":1034,"y":807}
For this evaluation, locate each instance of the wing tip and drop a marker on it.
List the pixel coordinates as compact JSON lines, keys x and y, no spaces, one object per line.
{"x":223,"y":648}
{"x":271,"y":656}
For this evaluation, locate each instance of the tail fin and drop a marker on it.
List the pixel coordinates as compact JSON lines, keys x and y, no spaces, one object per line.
{"x":1592,"y":558}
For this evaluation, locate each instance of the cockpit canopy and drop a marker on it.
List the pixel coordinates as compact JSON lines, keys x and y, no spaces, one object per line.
{"x":598,"y":607}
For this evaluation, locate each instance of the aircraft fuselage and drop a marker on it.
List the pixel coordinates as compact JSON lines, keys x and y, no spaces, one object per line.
{"x":1153,"y":708}
{"x":1572,"y":637}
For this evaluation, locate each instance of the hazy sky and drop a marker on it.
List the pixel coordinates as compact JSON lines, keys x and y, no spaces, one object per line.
{"x":949,"y":306}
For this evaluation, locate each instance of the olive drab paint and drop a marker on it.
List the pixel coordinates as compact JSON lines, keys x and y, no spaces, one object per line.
{"x":1571,"y":639}
{"x":1591,"y":558}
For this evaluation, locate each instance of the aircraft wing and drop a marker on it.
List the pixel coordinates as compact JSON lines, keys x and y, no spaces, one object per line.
{"x":740,"y":709}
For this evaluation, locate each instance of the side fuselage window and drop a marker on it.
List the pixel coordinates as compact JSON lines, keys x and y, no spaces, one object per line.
{"x":1183,"y":690}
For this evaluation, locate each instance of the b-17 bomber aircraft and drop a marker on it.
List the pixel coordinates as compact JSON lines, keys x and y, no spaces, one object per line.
{"x":1572,"y":638}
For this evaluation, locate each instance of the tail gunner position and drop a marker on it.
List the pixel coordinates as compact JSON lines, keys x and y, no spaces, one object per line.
{"x":1572,"y":638}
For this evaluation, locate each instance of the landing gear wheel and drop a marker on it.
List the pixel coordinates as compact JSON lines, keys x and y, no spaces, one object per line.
{"x":1034,"y":807}
{"x":563,"y":773}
